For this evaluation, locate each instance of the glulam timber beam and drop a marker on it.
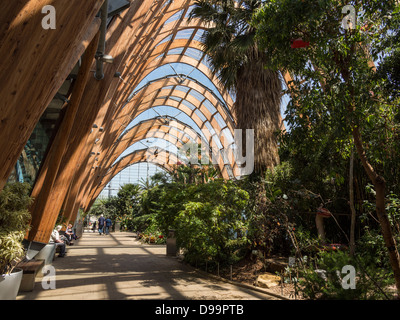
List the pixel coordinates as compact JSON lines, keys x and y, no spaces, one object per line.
{"x":147,"y":129}
{"x":35,"y":63}
{"x":47,"y":193}
{"x":164,"y":159}
{"x":146,"y":30}
{"x":163,"y":132}
{"x":123,"y":34}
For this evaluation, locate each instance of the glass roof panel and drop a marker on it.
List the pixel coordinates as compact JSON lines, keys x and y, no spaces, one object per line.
{"x":209,"y":106}
{"x":200,"y":115}
{"x":175,"y":69}
{"x":194,"y":53}
{"x":188,"y":104}
{"x":148,"y":143}
{"x":197,"y":95}
{"x":220,"y":120}
{"x":163,"y":111}
{"x":174,"y":17}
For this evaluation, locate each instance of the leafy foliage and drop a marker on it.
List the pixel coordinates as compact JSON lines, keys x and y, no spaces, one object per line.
{"x":334,"y":91}
{"x":208,"y":218}
{"x":339,"y":100}
{"x":323,"y":278}
{"x":14,"y":223}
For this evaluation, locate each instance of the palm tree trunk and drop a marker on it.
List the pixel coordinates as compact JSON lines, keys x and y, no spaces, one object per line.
{"x":257,"y":106}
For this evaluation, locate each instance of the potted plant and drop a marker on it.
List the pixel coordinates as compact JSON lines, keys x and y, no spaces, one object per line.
{"x":14,"y":223}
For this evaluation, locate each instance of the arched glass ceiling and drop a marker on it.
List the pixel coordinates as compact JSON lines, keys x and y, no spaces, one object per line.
{"x":148,"y":143}
{"x":177,"y":69}
{"x":181,"y":71}
{"x":175,"y":130}
{"x":164,"y":111}
{"x":134,"y":174}
{"x":190,"y":52}
{"x":202,"y":101}
{"x":178,"y":15}
{"x":189,"y":33}
{"x":183,"y":117}
{"x":153,"y":145}
{"x":284,"y":102}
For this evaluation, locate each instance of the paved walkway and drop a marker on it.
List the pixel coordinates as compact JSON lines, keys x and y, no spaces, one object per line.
{"x":118,"y":267}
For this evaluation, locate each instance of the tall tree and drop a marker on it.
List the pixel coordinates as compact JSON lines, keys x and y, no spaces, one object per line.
{"x":238,"y":62}
{"x":335,"y":71}
{"x":128,"y":199}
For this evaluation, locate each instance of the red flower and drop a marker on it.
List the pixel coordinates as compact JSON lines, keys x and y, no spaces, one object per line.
{"x":161,"y":236}
{"x":299,"y":43}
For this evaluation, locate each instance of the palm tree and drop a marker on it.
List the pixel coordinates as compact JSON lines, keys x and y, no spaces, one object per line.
{"x":146,"y":184}
{"x":229,"y":42}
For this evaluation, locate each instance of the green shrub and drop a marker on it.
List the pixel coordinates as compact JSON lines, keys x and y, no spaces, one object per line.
{"x":323,"y":276}
{"x":14,"y":223}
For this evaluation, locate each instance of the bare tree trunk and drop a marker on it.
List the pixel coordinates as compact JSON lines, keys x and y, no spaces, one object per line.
{"x":380,"y":186}
{"x":352,"y":208}
{"x":319,"y":222}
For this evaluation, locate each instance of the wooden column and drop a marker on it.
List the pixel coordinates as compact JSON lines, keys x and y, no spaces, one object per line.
{"x":120,"y":37}
{"x":71,"y":206}
{"x":35,"y":63}
{"x":43,"y":218}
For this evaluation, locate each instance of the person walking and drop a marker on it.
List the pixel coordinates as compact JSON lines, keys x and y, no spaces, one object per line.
{"x":108,"y":224}
{"x":101,"y":224}
{"x":94,"y":226}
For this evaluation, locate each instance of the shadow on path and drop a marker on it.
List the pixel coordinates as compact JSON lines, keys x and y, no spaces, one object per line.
{"x":118,"y":267}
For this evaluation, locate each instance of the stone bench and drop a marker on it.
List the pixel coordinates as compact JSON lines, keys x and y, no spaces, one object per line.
{"x":30,"y":269}
{"x":47,"y":253}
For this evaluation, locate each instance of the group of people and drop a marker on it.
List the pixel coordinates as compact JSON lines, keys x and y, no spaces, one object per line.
{"x":69,"y":235}
{"x":104,"y":225}
{"x":62,"y":241}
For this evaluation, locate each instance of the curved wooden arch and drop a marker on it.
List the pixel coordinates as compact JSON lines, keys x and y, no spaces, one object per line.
{"x":185,"y":44}
{"x":152,"y":65}
{"x":161,"y":33}
{"x":145,"y":46}
{"x":151,"y":91}
{"x":138,"y":156}
{"x":131,"y":110}
{"x":180,"y":134}
{"x":153,"y":100}
{"x":133,"y":39}
{"x":162,"y":92}
{"x":155,"y":128}
{"x":146,"y":33}
{"x":164,"y":159}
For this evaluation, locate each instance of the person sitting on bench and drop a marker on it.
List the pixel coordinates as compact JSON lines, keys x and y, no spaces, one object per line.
{"x":69,"y":234}
{"x":55,"y":238}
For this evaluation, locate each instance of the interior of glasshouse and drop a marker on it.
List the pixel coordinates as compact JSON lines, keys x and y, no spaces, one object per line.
{"x":200,"y":150}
